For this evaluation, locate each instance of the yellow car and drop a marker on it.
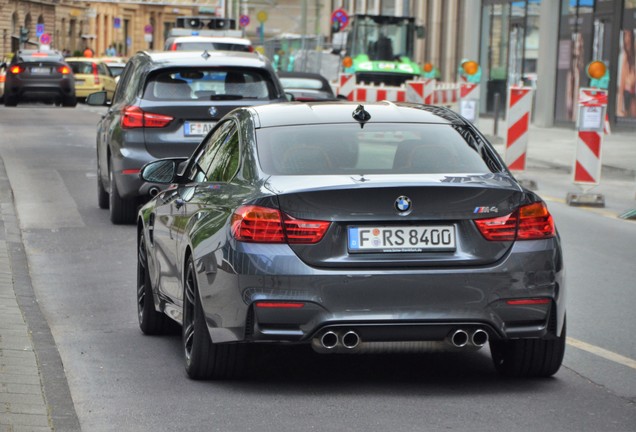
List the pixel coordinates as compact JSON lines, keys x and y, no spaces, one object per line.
{"x":91,"y":75}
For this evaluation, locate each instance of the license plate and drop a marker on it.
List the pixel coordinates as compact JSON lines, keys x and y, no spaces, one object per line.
{"x":79,"y":82}
{"x":402,"y":238}
{"x":197,"y":128}
{"x":40,"y":70}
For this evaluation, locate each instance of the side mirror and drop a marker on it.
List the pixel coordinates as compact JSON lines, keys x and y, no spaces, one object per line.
{"x":162,"y":171}
{"x":290,"y":97}
{"x":97,"y":99}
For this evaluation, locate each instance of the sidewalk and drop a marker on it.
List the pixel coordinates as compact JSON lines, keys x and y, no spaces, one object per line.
{"x":557,"y":146}
{"x":22,"y":402}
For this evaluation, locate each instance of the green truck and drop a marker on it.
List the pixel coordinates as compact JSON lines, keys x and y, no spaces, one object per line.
{"x":379,"y":49}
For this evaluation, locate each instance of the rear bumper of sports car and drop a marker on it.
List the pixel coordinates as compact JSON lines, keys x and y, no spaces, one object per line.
{"x":265,"y":294}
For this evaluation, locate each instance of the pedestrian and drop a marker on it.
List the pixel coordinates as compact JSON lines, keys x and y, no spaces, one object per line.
{"x":88,"y":52}
{"x":111,"y":51}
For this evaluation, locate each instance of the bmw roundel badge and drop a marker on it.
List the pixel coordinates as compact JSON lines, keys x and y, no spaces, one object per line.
{"x":213,"y":111}
{"x":403,"y":204}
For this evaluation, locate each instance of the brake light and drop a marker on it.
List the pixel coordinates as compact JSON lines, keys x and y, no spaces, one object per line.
{"x":266,"y":225}
{"x":16,"y":69}
{"x":2,"y":78}
{"x":535,"y":222}
{"x":65,"y":70}
{"x":134,"y":117}
{"x":95,"y":74}
{"x":530,"y":222}
{"x":250,"y":48}
{"x":173,"y":47}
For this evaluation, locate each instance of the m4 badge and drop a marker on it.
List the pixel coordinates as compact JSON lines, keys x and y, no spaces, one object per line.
{"x":486,"y":210}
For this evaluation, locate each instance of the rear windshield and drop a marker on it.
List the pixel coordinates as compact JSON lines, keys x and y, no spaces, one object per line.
{"x":211,"y":84}
{"x":81,"y":67}
{"x":380,"y":148}
{"x":301,"y":83}
{"x":210,"y":46}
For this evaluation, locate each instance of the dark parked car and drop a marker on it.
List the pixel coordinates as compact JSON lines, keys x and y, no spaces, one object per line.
{"x":164,"y":104}
{"x":34,"y":75}
{"x":350,"y":228}
{"x":306,"y":86}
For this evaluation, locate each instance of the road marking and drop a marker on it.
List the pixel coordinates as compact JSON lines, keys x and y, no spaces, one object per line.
{"x":608,"y":355}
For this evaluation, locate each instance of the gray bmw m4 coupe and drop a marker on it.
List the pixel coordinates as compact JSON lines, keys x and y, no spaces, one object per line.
{"x":351,"y":228}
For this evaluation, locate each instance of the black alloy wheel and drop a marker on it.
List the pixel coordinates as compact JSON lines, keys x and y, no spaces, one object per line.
{"x":203,"y":358}
{"x":151,"y":322}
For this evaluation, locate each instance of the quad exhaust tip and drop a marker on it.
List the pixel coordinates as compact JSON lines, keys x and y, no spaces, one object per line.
{"x":459,"y":338}
{"x":480,"y":338}
{"x":350,"y":340}
{"x":329,"y":340}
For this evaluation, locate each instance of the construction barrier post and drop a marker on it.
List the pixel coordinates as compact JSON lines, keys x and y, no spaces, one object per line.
{"x":420,"y":92}
{"x":517,"y":122}
{"x":590,"y":130}
{"x":469,"y":102}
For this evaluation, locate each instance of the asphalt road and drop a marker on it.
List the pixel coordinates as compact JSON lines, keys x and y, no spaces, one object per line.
{"x":83,"y":273}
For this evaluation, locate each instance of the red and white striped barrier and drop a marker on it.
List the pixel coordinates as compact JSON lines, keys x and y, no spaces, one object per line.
{"x":420,"y":91}
{"x":446,"y":94}
{"x":375,"y":94}
{"x":469,"y":101}
{"x":346,"y":86}
{"x":591,"y":128}
{"x":518,"y":120}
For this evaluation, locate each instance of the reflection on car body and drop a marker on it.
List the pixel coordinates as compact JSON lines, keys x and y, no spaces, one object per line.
{"x":352,"y":229}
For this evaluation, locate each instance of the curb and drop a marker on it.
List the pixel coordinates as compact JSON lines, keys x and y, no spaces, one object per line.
{"x":55,"y":393}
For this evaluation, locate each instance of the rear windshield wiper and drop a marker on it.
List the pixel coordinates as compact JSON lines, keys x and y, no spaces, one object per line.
{"x":226,"y":97}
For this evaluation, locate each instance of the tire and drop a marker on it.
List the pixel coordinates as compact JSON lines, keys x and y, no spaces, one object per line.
{"x":151,"y":322}
{"x":69,"y":102}
{"x":529,"y":357}
{"x":10,"y":101}
{"x":103,"y":200}
{"x":203,"y":358}
{"x":122,"y":210}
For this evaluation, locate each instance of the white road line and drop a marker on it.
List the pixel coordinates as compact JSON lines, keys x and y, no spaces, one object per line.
{"x":609,"y":355}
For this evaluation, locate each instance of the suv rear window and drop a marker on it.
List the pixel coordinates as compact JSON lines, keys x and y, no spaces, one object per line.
{"x":210,"y":84}
{"x":382,"y":148}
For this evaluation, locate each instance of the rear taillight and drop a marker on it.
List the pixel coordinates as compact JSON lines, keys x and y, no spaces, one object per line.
{"x":95,"y":74}
{"x":266,"y":225}
{"x":65,"y":70}
{"x":250,"y":48}
{"x":134,"y":117}
{"x":530,"y":222}
{"x":17,"y":69}
{"x":173,"y":47}
{"x":2,"y":78}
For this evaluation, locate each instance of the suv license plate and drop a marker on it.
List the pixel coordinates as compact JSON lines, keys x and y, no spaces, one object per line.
{"x":40,"y":70}
{"x":402,"y":239}
{"x":197,"y":128}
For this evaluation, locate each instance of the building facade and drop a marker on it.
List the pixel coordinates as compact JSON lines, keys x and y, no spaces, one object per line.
{"x":546,"y":44}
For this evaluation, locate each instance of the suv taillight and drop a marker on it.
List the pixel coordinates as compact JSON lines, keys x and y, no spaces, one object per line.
{"x":65,"y":70}
{"x":530,"y":222}
{"x":17,"y":69}
{"x":258,"y":224}
{"x":134,"y":117}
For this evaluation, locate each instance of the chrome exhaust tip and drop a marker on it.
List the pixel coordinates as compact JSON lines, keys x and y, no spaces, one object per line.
{"x":459,"y":338}
{"x":329,"y":340}
{"x":153,"y":191}
{"x":480,"y":338}
{"x":350,"y":340}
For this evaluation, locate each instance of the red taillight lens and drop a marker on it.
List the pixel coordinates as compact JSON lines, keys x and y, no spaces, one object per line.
{"x":250,"y":49}
{"x":65,"y":70}
{"x":257,"y":224}
{"x":530,"y":222}
{"x":2,"y":78}
{"x":15,"y":70}
{"x":498,"y":229}
{"x":535,"y":222}
{"x":95,"y":74}
{"x":173,"y":47}
{"x":265,"y":225}
{"x":528,"y":301}
{"x":134,"y":117}
{"x":304,"y":231}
